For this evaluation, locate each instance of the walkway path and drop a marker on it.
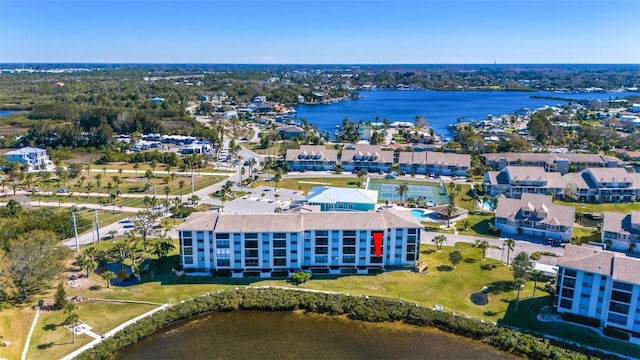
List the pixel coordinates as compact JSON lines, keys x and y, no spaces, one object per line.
{"x":28,"y":341}
{"x":111,"y":332}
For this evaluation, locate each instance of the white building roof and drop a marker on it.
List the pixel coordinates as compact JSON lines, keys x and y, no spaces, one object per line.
{"x":332,"y":195}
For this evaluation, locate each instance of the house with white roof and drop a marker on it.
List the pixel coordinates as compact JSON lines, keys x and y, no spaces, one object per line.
{"x":342,"y":199}
{"x":33,"y":158}
{"x":604,"y":185}
{"x":265,"y":245}
{"x":535,"y":215}
{"x":601,"y":285}
{"x":513,"y":181}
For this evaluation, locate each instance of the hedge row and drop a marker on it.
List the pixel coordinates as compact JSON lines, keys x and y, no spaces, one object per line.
{"x":371,"y":309}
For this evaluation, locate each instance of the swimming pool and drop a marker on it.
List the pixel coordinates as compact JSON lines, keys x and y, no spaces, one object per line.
{"x":421,"y":214}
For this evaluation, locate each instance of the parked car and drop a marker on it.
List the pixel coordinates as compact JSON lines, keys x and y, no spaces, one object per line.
{"x":63,"y":191}
{"x":34,"y":190}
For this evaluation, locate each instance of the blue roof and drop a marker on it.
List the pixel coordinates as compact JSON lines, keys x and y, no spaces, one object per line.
{"x":26,"y":150}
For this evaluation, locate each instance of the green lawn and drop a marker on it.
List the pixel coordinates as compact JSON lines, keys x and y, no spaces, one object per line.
{"x":600,"y":208}
{"x":305,"y":184}
{"x":51,"y":340}
{"x":525,"y":318}
{"x":478,"y":225}
{"x":586,"y":234}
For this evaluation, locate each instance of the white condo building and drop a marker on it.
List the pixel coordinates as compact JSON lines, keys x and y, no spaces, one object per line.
{"x":265,"y":245}
{"x":602,"y":285}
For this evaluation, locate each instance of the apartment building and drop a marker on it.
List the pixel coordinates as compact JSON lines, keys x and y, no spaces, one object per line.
{"x":265,"y":245}
{"x":312,"y":158}
{"x":602,"y":285}
{"x":438,"y":163}
{"x":620,"y":231}
{"x":562,"y":163}
{"x":603,"y":185}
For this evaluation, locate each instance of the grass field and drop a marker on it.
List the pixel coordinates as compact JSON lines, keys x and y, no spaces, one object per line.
{"x":305,"y":184}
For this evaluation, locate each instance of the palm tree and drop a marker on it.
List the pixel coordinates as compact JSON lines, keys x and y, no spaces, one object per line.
{"x":535,"y":274}
{"x":71,"y":319}
{"x":361,"y":174}
{"x":98,"y":182}
{"x":449,"y":211}
{"x":277,"y":177}
{"x":511,"y":245}
{"x":402,"y":190}
{"x":108,"y":276}
{"x":153,"y":165}
{"x":484,"y":245}
{"x":86,"y":263}
{"x":162,"y":248}
{"x":166,"y":190}
{"x":181,"y":185}
{"x":89,"y":187}
{"x":439,"y":240}
{"x":136,"y":166}
{"x":522,"y":267}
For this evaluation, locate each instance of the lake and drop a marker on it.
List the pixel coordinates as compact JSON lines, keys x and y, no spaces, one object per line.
{"x":295,"y":335}
{"x":8,"y":112}
{"x":440,"y":108}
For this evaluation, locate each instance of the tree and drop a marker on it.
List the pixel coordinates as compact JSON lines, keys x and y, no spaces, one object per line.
{"x":510,"y":244}
{"x":402,"y":190}
{"x":162,"y":248}
{"x":484,"y":245}
{"x":455,"y":257}
{"x":108,"y":276}
{"x":277,"y":177}
{"x":136,"y":166}
{"x":60,"y":298}
{"x":144,"y":225}
{"x":536,"y":275}
{"x":86,"y":263}
{"x":300,"y":277}
{"x":362,"y":173}
{"x":449,"y":211}
{"x":521,"y":268}
{"x":167,"y":191}
{"x":153,"y":165}
{"x":180,"y":186}
{"x":71,"y":319}
{"x":439,"y":240}
{"x":34,"y":259}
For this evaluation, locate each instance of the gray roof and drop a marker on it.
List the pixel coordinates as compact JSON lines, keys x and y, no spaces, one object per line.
{"x":609,"y":174}
{"x":294,"y":222}
{"x":526,"y":173}
{"x":550,"y":157}
{"x":593,"y":259}
{"x":312,"y":150}
{"x":332,"y":195}
{"x":26,"y":150}
{"x":554,"y":214}
{"x":380,"y":156}
{"x":620,"y":222}
{"x":434,"y":158}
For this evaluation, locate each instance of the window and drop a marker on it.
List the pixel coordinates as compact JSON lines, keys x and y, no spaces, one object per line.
{"x":566,"y":303}
{"x":222,"y":243}
{"x":187,"y":242}
{"x":348,"y":250}
{"x":188,"y":251}
{"x":251,"y":262}
{"x":349,"y":259}
{"x":188,"y":260}
{"x":620,"y":296}
{"x":321,"y":258}
{"x":279,"y":235}
{"x":223,"y":253}
{"x":321,"y":250}
{"x":222,"y":236}
{"x":252,"y":244}
{"x":251,"y":253}
{"x":280,"y":262}
{"x":280,"y":252}
{"x":279,"y":243}
{"x":224,"y":262}
{"x":252,"y":236}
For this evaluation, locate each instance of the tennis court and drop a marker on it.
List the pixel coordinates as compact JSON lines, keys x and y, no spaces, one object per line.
{"x":389,"y":192}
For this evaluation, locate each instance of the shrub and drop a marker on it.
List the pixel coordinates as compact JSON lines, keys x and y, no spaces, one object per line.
{"x":616,"y":333}
{"x":300,"y":277}
{"x":536,"y":255}
{"x":579,"y":214}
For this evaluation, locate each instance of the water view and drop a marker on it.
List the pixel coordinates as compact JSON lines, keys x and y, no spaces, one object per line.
{"x":294,"y":335}
{"x":440,"y":108}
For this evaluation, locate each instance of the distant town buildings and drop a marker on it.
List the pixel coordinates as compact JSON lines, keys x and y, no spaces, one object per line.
{"x":32,"y":158}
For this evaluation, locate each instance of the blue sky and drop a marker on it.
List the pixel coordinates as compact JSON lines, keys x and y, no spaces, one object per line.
{"x":320,"y":31}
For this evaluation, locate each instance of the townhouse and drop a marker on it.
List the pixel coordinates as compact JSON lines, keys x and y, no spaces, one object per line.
{"x":436,"y":163}
{"x":562,"y":163}
{"x":368,"y":157}
{"x":603,"y":185}
{"x":312,"y":157}
{"x":620,"y":231}
{"x":535,"y":215}
{"x":513,"y":181}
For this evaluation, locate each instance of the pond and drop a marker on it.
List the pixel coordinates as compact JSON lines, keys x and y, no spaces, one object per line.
{"x":296,"y":335}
